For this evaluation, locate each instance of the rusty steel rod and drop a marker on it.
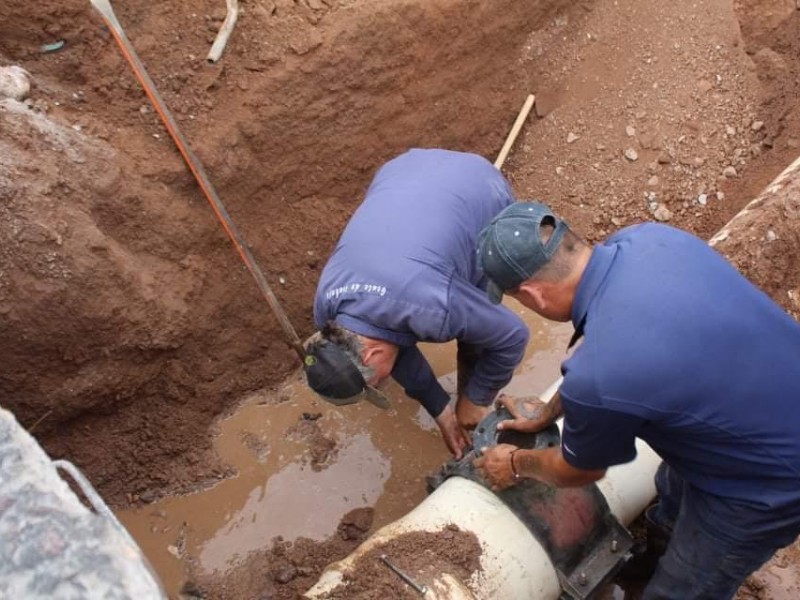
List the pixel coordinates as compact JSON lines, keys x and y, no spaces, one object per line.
{"x":196,"y":167}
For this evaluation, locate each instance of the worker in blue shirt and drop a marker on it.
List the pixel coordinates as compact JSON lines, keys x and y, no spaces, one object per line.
{"x":681,"y":351}
{"x":405,"y":271}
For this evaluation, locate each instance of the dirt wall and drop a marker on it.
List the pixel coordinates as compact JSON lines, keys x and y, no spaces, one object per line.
{"x":133,"y":322}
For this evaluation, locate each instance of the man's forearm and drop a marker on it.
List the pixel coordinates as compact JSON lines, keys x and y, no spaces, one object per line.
{"x":549,"y":466}
{"x":552,"y":409}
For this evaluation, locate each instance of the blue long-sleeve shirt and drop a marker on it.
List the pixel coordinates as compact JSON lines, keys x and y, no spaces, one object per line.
{"x":405,"y":270}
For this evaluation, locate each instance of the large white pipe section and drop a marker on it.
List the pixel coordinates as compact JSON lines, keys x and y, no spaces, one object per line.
{"x":514,"y":566}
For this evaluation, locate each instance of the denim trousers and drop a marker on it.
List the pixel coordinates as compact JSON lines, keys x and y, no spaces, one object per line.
{"x":701,"y":563}
{"x":467,"y":357}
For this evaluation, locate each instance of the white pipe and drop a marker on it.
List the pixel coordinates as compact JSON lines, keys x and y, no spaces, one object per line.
{"x":514,"y":566}
{"x":225,"y":31}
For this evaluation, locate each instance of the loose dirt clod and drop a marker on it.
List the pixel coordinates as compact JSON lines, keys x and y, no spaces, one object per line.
{"x":422,"y":555}
{"x":287,"y":570}
{"x":321,"y":449}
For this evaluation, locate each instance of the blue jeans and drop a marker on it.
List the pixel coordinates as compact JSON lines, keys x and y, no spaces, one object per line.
{"x":700,"y":562}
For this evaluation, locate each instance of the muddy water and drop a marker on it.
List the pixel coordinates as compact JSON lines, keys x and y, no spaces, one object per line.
{"x":380,"y":459}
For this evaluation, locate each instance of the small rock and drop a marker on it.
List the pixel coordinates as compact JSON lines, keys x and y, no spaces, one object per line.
{"x":616,"y":221}
{"x":631,"y":154}
{"x":559,"y":170}
{"x":630,"y":131}
{"x":571,"y":137}
{"x":306,"y":44}
{"x":191,"y":589}
{"x":653,"y":181}
{"x":662,"y":213}
{"x":730,"y":131}
{"x":360,"y":518}
{"x":650,"y":141}
{"x":729,"y":172}
{"x":757,"y":125}
{"x":699,"y":161}
{"x":15,"y":83}
{"x":174,"y":551}
{"x":282,"y":280}
{"x":664,"y":159}
{"x":771,"y":236}
{"x":285,"y":394}
{"x":704,"y":86}
{"x":702,"y":199}
{"x":285,"y":574}
{"x":720,"y":196}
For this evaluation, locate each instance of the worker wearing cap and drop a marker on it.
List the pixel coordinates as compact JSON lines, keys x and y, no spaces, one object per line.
{"x":680,"y":351}
{"x":405,"y":271}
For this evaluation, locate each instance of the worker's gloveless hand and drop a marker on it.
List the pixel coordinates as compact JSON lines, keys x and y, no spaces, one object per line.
{"x":453,"y":435}
{"x":494,"y":465}
{"x":470,"y":414}
{"x":530,"y":414}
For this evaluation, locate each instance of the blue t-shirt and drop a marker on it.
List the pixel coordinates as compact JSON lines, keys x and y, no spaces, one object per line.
{"x":683,"y":352}
{"x":405,"y":270}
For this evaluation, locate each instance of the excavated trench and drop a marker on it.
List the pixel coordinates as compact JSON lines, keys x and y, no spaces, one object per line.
{"x":133,"y":326}
{"x":139,"y":325}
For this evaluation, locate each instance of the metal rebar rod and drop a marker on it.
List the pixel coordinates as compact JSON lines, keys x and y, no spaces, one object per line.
{"x":199,"y":172}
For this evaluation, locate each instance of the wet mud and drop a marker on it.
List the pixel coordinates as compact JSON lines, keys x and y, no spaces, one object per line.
{"x":301,"y":465}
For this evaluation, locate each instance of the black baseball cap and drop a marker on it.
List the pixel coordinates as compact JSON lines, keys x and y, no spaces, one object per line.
{"x":510,"y":248}
{"x":332,"y":374}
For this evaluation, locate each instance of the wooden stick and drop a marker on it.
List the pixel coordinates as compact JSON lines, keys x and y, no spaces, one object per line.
{"x":515,"y":129}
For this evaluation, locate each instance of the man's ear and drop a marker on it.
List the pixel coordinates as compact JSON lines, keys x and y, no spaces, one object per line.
{"x":531,"y":295}
{"x":373,"y":349}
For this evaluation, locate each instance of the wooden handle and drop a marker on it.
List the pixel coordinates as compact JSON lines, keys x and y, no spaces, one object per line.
{"x":515,"y":129}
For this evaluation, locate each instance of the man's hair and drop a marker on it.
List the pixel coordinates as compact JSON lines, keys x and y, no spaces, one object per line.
{"x":348,"y":341}
{"x":561,"y":264}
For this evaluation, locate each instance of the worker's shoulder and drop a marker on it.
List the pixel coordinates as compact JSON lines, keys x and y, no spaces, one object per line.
{"x":654,"y":232}
{"x":434,"y":155}
{"x":433,"y":167}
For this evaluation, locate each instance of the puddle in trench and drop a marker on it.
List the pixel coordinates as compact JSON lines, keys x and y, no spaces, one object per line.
{"x":380,"y":459}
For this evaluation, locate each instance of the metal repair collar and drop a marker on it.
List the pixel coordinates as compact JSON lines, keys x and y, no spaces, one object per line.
{"x":585,"y":542}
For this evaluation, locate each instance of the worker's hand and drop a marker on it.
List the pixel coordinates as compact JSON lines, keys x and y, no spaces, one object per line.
{"x":494,"y":465}
{"x":530,"y":414}
{"x":453,"y":435}
{"x":470,"y":414}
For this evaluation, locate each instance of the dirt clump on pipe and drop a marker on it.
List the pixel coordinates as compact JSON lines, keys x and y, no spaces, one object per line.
{"x":422,"y":555}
